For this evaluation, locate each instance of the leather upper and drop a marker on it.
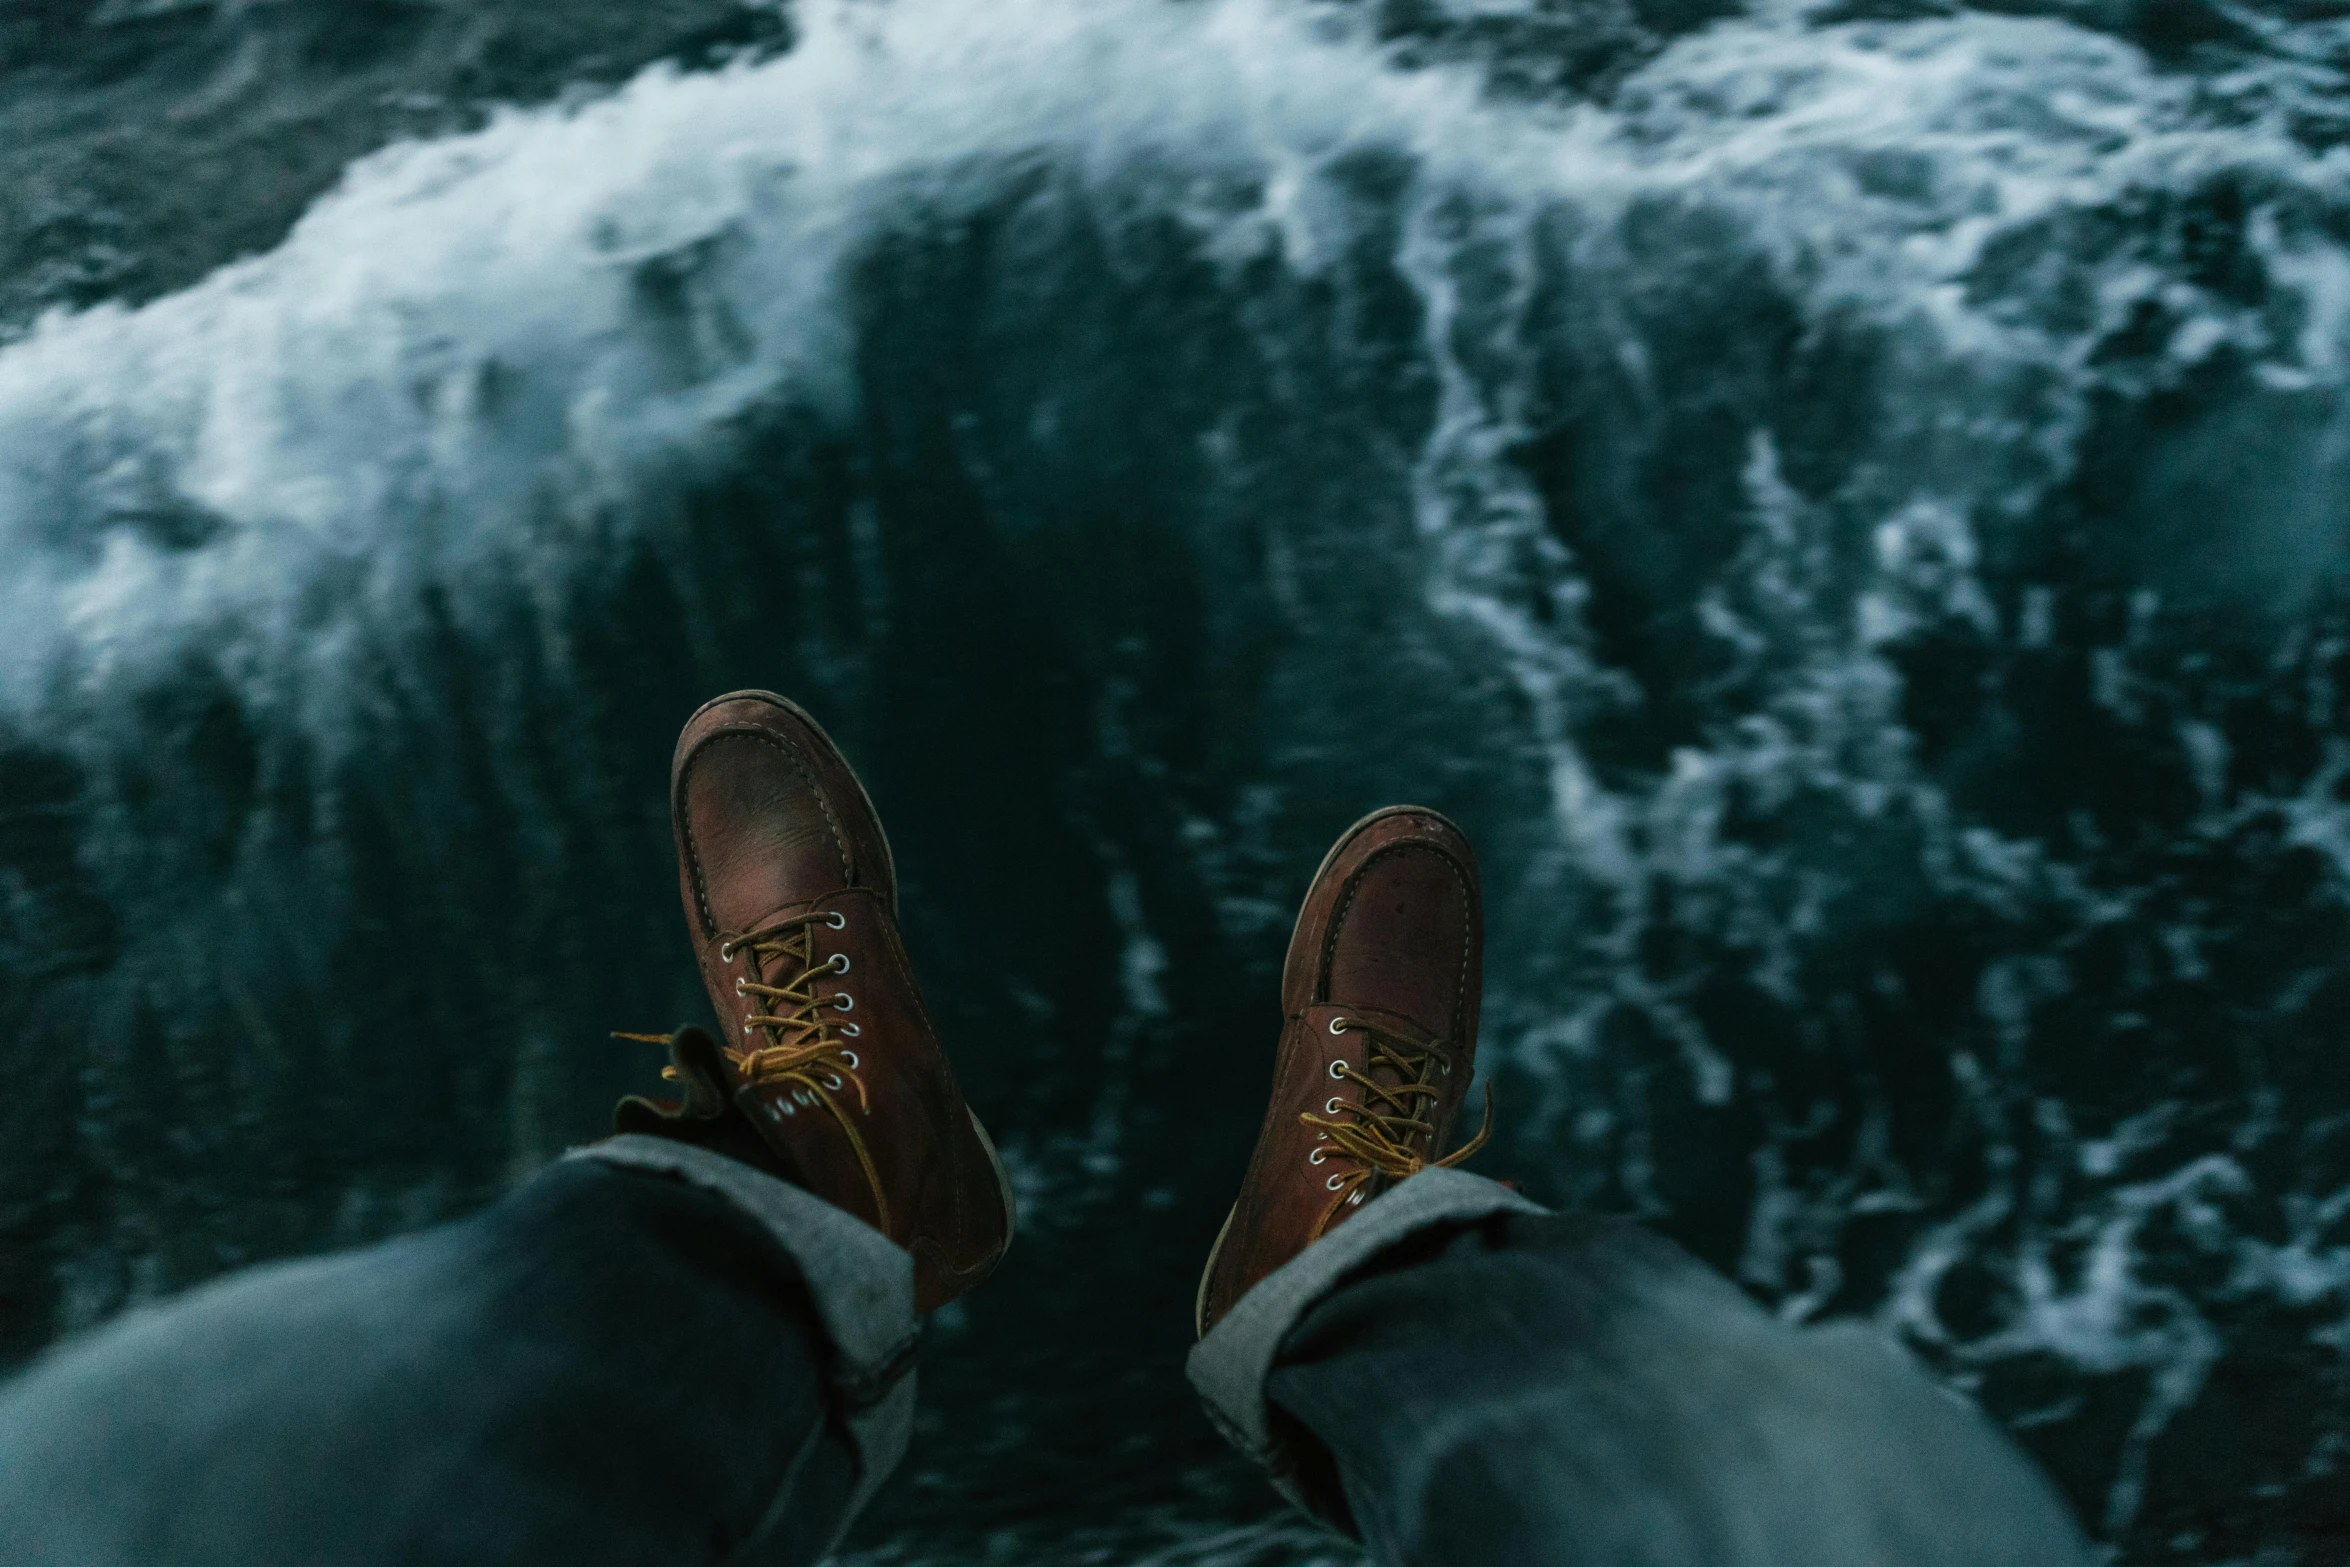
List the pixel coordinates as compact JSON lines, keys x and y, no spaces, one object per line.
{"x":1388,"y":946}
{"x":772,"y":825}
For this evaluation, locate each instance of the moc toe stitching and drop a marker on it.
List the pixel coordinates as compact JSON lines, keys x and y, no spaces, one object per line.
{"x":793,"y":757}
{"x":1354,"y":883}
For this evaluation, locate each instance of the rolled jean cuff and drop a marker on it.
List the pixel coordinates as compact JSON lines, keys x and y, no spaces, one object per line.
{"x":1228,"y":1368}
{"x":862,"y":1284}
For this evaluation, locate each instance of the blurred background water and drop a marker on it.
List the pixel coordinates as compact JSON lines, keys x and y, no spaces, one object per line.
{"x":1849,"y":503}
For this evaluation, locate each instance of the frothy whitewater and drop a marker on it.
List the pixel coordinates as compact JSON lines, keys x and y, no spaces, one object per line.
{"x":1853,"y":518}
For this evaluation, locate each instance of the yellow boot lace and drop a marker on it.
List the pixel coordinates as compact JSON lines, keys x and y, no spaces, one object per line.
{"x":806,"y":1044}
{"x":1378,"y":1135}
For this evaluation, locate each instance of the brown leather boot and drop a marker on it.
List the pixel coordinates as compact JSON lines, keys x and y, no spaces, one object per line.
{"x":1380,"y":991}
{"x":825,"y":1048}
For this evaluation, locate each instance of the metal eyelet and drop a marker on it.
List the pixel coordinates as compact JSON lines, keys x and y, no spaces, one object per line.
{"x":831,"y":1081}
{"x":746,"y":1028}
{"x":1317,"y":1156}
{"x":1338,"y":1070}
{"x":848,"y":1058}
{"x":785,"y":1106}
{"x":845,"y":1001}
{"x":1333,"y":1107}
{"x":1339,"y":1025}
{"x":738,"y":986}
{"x":1356,"y":1198}
{"x":1445,"y":1067}
{"x":1335,"y":1182}
{"x":850,"y":1031}
{"x":726,"y":952}
{"x":838,"y":920}
{"x":840,"y":963}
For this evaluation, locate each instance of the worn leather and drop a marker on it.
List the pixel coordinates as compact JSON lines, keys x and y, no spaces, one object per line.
{"x":1391,"y":933}
{"x":771,"y":822}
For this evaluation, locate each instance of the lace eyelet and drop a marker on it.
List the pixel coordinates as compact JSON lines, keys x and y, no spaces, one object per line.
{"x":738,"y":986}
{"x":830,"y":1081}
{"x":1356,"y":1198}
{"x":1339,"y":1025}
{"x":851,"y":1031}
{"x":746,"y":1028}
{"x":1335,"y":1182}
{"x":1333,"y":1107}
{"x":1445,"y":1067}
{"x":840,"y":963}
{"x":785,"y":1107}
{"x":838,"y":920}
{"x":1338,"y":1070}
{"x":845,"y":1001}
{"x":848,"y":1058}
{"x":1317,"y":1156}
{"x":726,"y":952}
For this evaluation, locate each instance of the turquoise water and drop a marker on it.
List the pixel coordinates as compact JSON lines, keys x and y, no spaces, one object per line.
{"x":1847,"y":507}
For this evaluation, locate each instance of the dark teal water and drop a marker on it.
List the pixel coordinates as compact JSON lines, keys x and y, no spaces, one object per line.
{"x":1847,"y":506}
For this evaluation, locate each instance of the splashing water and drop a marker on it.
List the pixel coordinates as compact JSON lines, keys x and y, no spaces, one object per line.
{"x":1852,"y":516}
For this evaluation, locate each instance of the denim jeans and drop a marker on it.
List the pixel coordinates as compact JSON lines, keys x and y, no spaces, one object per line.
{"x":1454,"y":1377}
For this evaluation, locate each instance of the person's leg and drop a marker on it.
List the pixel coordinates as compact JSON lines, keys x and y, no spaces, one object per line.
{"x":1430,"y":1362}
{"x":692,"y":1343}
{"x":1531,"y":1388}
{"x":649,"y":1353}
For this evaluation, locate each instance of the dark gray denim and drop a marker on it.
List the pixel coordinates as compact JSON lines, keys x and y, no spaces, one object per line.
{"x":623,"y":1361}
{"x":1462,"y":1379}
{"x":1601,"y":1398}
{"x":650,"y":1355}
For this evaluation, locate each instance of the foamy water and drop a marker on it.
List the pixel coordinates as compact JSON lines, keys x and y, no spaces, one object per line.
{"x":1707,"y":441}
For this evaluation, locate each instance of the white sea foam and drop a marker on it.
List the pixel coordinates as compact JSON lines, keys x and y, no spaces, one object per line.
{"x":481,"y":356}
{"x":452,"y":360}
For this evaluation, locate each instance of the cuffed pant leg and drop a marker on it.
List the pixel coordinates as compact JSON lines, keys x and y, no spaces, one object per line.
{"x":1515,"y":1387}
{"x":623,"y":1361}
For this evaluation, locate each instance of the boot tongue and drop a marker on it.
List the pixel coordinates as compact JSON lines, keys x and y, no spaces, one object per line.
{"x":1398,"y":1033}
{"x":1401,"y":1032}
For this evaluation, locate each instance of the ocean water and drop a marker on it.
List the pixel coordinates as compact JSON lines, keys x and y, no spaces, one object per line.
{"x":1849,"y":506}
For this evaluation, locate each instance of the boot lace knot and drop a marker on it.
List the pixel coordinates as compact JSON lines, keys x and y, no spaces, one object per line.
{"x":796,"y":1038}
{"x":1382,"y":1134}
{"x":806,"y":1043}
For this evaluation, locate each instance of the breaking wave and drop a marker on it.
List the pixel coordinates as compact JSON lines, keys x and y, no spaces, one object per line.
{"x":1852,"y":516}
